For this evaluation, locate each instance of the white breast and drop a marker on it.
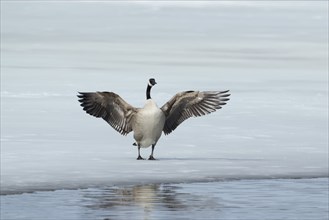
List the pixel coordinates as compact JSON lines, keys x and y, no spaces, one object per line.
{"x":149,"y":124}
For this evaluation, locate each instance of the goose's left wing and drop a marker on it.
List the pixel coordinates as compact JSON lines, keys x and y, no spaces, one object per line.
{"x":191,"y":104}
{"x":111,"y":107}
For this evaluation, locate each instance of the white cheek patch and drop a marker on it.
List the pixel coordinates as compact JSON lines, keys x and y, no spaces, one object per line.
{"x":150,"y":84}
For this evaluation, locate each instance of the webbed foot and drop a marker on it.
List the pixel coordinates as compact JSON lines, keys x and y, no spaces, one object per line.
{"x":140,"y":158}
{"x":151,"y":158}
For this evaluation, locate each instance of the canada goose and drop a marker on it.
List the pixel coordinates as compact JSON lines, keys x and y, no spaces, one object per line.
{"x":149,"y":122}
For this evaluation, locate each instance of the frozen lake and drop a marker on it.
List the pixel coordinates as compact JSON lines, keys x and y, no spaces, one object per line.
{"x":272,"y":56}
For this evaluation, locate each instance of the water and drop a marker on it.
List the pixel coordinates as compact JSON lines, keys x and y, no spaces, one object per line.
{"x":240,"y":199}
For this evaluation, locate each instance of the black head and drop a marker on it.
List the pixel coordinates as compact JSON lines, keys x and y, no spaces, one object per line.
{"x":152,"y":82}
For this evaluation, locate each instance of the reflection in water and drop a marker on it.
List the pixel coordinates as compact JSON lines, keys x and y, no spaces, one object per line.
{"x":145,"y":199}
{"x":255,"y":199}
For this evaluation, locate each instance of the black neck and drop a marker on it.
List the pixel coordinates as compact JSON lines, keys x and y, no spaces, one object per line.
{"x":148,"y":92}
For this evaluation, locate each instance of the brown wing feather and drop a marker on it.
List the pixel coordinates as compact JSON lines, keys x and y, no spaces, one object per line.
{"x":191,"y":104}
{"x":109,"y":106}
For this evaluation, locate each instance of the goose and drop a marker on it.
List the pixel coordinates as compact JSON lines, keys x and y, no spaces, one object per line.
{"x":149,"y":122}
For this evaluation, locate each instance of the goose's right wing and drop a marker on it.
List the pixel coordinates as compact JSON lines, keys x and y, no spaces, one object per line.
{"x":191,"y":104}
{"x":109,"y":106}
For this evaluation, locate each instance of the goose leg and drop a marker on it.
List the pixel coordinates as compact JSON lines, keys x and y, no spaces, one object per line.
{"x":151,"y":156}
{"x":139,"y":154}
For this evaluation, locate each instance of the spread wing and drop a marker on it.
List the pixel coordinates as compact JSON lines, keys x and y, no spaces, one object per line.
{"x":109,"y":106}
{"x":191,"y":104}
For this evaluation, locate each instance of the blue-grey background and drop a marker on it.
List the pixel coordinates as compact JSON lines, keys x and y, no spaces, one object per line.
{"x":273,"y":56}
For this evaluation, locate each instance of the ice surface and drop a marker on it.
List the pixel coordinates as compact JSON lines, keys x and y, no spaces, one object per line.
{"x":273,"y":59}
